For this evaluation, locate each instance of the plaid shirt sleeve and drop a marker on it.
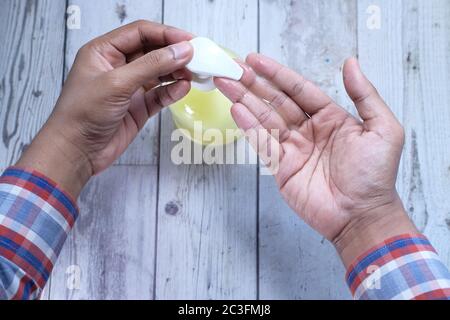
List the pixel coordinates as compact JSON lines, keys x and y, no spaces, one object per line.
{"x":35,"y":219}
{"x":402,"y":268}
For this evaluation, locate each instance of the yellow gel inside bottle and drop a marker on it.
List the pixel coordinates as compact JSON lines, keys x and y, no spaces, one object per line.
{"x":212,"y":109}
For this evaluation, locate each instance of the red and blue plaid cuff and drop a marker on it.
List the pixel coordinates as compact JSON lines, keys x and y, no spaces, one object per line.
{"x":35,"y":219}
{"x":403,"y":267}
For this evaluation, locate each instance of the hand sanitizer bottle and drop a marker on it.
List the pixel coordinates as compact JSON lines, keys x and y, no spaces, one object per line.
{"x":211,"y":61}
{"x":205,"y":107}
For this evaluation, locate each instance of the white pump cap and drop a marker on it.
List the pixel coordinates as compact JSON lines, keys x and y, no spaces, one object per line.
{"x":210,"y":61}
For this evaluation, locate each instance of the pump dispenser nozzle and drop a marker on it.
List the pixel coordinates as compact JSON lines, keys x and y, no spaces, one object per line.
{"x":210,"y":61}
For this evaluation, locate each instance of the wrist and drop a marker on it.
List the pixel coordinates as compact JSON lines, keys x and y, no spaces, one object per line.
{"x":55,"y":156}
{"x":371,"y":228}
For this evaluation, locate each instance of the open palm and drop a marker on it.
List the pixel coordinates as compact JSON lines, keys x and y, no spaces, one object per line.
{"x":330,"y":165}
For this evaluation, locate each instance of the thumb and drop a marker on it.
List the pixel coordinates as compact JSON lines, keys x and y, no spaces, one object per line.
{"x":371,"y":107}
{"x":153,"y":65}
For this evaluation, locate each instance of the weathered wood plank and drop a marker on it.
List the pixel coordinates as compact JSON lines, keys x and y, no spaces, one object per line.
{"x":97,"y":18}
{"x":207,"y":215}
{"x":314,"y":38}
{"x":426,"y":170}
{"x":31,"y":68}
{"x":113,"y":243}
{"x":409,"y":61}
{"x":110,"y":253}
{"x":206,"y":247}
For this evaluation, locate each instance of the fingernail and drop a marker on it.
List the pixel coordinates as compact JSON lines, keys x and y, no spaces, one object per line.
{"x":178,"y":75}
{"x":181,"y":50}
{"x":182,"y":74}
{"x":249,"y":75}
{"x":230,"y":88}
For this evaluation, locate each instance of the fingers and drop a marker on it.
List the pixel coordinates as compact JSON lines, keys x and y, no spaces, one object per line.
{"x":181,"y":74}
{"x":152,"y":66}
{"x":264,"y":143}
{"x":373,"y":110}
{"x":144,"y":105}
{"x":139,"y":35}
{"x":161,"y":97}
{"x":266,"y":116}
{"x":307,"y":95}
{"x":292,"y":114}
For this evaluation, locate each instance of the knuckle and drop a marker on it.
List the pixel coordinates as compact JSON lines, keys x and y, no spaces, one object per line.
{"x":241,"y":94}
{"x":298,"y":87}
{"x":367,"y":92}
{"x":275,"y":75}
{"x":86,"y":48}
{"x":154,"y":58}
{"x":278,"y":100}
{"x":140,"y":22}
{"x":265,"y":115}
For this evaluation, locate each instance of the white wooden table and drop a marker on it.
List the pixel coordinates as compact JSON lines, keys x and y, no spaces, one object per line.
{"x":153,"y":230}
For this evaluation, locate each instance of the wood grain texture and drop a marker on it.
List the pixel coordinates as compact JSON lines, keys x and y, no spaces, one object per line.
{"x":314,"y":38}
{"x":426,"y":173}
{"x":99,"y":17}
{"x":206,"y":247}
{"x":207,"y":221}
{"x":408,"y":59}
{"x":112,"y":244}
{"x":31,"y":65}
